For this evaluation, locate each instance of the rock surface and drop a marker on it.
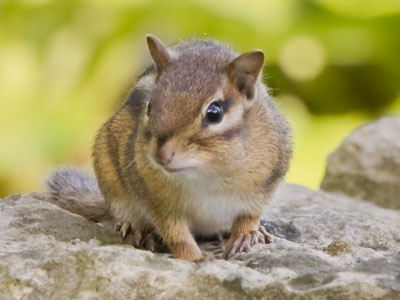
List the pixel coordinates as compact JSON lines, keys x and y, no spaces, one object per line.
{"x":367,"y":164}
{"x":325,"y":246}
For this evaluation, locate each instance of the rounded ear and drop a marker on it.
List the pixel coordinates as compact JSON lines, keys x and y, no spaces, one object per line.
{"x":244,"y":70}
{"x":161,"y":57}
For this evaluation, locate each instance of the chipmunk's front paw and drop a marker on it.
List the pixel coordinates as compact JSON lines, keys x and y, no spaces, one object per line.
{"x":143,"y":239}
{"x":123,"y":228}
{"x":243,"y":242}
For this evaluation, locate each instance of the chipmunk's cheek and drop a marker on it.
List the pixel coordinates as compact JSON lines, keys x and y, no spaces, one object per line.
{"x":183,"y":161}
{"x":206,"y":158}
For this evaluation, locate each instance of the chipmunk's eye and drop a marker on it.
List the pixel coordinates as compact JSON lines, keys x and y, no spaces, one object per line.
{"x":214,"y":113}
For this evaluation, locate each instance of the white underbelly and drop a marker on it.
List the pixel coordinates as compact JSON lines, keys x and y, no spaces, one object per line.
{"x":208,"y":214}
{"x":210,"y":209}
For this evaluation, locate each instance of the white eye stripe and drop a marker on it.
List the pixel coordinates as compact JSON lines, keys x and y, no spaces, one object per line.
{"x":231,"y":119}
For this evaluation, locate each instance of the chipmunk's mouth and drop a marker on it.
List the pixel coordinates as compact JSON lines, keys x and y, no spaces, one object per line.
{"x":169,"y":169}
{"x":176,"y":170}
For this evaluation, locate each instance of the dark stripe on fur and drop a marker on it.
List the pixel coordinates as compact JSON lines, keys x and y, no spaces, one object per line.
{"x":131,"y":173}
{"x":240,"y":130}
{"x":136,"y":102}
{"x":230,"y":133}
{"x":113,"y":149}
{"x":275,"y":175}
{"x":149,"y":70}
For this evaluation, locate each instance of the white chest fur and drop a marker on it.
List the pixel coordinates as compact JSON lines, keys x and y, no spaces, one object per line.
{"x":208,"y":208}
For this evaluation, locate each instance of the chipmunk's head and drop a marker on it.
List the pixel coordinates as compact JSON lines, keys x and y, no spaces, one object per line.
{"x":197,"y":116}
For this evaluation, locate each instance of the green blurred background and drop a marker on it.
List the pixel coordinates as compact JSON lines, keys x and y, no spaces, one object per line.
{"x":66,"y":65}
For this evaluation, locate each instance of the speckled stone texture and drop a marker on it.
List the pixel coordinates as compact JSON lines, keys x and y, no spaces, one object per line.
{"x":326,"y":245}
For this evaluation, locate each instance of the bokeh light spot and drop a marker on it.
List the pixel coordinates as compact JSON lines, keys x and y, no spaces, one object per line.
{"x":302,"y":58}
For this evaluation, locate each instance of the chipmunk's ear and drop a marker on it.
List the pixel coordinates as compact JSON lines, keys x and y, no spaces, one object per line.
{"x":161,"y":57}
{"x":244,"y":70}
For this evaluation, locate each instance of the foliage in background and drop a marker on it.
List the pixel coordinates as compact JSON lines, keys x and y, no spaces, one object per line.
{"x":65,"y":65}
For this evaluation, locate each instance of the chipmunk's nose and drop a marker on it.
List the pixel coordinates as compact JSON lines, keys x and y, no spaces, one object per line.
{"x":165,"y":150}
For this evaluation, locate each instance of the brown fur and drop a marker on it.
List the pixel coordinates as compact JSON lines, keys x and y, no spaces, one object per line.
{"x":246,"y":159}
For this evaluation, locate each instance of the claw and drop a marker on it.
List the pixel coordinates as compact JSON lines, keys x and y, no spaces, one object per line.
{"x":261,"y":238}
{"x":265,"y":235}
{"x":150,"y":243}
{"x":245,"y":245}
{"x":232,"y":246}
{"x":137,"y":238}
{"x":125,"y":228}
{"x":143,"y":239}
{"x":243,"y":242}
{"x":254,"y":238}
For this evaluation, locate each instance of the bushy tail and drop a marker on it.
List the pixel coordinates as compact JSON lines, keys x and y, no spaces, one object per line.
{"x":77,"y":192}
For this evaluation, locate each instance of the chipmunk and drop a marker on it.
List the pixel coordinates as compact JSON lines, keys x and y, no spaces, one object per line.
{"x":198,"y":148}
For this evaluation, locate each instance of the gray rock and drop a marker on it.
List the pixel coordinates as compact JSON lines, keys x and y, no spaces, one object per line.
{"x":325,"y":246}
{"x":367,"y":164}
